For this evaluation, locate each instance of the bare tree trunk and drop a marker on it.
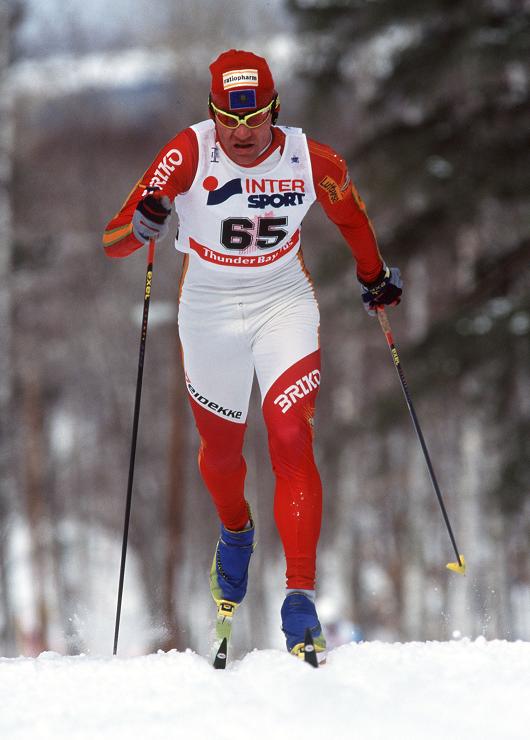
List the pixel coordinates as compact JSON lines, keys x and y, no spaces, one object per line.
{"x":7,"y":494}
{"x":34,"y":462}
{"x":175,"y":510}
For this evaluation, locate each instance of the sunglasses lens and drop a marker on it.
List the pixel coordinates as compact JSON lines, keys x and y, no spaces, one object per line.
{"x":226,"y":120}
{"x":258,"y":118}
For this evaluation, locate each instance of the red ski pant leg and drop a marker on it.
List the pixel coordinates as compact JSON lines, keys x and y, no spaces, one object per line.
{"x":288,"y":410}
{"x":222,"y":465}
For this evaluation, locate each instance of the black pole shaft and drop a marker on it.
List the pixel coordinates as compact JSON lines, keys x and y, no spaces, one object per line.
{"x":136,"y":418}
{"x":385,"y":325}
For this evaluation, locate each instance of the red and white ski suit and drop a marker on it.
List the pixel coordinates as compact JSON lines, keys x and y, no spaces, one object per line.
{"x":247,"y":306}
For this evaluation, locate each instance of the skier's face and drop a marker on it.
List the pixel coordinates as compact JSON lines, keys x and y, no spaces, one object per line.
{"x":243,"y":144}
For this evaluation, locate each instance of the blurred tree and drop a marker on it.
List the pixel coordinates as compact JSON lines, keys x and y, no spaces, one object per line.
{"x":9,"y":16}
{"x":432,"y":100}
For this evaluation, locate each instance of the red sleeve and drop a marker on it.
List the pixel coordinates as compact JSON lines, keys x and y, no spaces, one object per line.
{"x":343,"y":205}
{"x":171,"y":173}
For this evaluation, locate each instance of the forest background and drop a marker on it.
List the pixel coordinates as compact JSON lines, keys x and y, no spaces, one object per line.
{"x":429,"y":103}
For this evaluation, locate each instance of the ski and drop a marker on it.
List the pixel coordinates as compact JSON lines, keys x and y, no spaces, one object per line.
{"x":310,"y":655}
{"x":221,"y":655}
{"x":223,"y":631}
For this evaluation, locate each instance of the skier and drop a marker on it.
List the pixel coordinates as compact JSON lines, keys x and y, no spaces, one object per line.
{"x":241,"y":187}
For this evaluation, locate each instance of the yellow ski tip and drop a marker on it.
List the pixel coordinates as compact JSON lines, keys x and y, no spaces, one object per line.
{"x":456,"y":567}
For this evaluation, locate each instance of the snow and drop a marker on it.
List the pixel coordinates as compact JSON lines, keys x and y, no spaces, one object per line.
{"x":463,"y":689}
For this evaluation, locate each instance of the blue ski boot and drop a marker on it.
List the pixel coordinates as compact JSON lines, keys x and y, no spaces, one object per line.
{"x":229,"y":573}
{"x":298,"y":614}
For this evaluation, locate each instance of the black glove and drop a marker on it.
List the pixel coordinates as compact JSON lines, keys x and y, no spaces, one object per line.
{"x":150,"y":219}
{"x":385,"y":290}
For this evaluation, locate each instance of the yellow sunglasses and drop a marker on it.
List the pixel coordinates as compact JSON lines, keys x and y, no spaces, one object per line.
{"x":251,"y":120}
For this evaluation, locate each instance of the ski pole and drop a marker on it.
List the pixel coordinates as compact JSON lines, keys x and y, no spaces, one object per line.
{"x":460,"y":565}
{"x":136,"y":417}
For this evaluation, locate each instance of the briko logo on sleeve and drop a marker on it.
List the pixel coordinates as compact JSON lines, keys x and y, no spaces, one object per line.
{"x":165,"y":167}
{"x":238,"y":77}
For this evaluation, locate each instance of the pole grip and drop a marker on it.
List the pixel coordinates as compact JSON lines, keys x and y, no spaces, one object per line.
{"x":383,"y":320}
{"x":151,"y":252}
{"x":385,"y":326}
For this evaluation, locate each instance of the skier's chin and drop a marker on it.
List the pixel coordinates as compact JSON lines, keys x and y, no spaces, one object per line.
{"x":244,"y":153}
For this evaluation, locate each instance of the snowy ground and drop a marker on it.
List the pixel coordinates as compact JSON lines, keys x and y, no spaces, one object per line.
{"x":459,"y":690}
